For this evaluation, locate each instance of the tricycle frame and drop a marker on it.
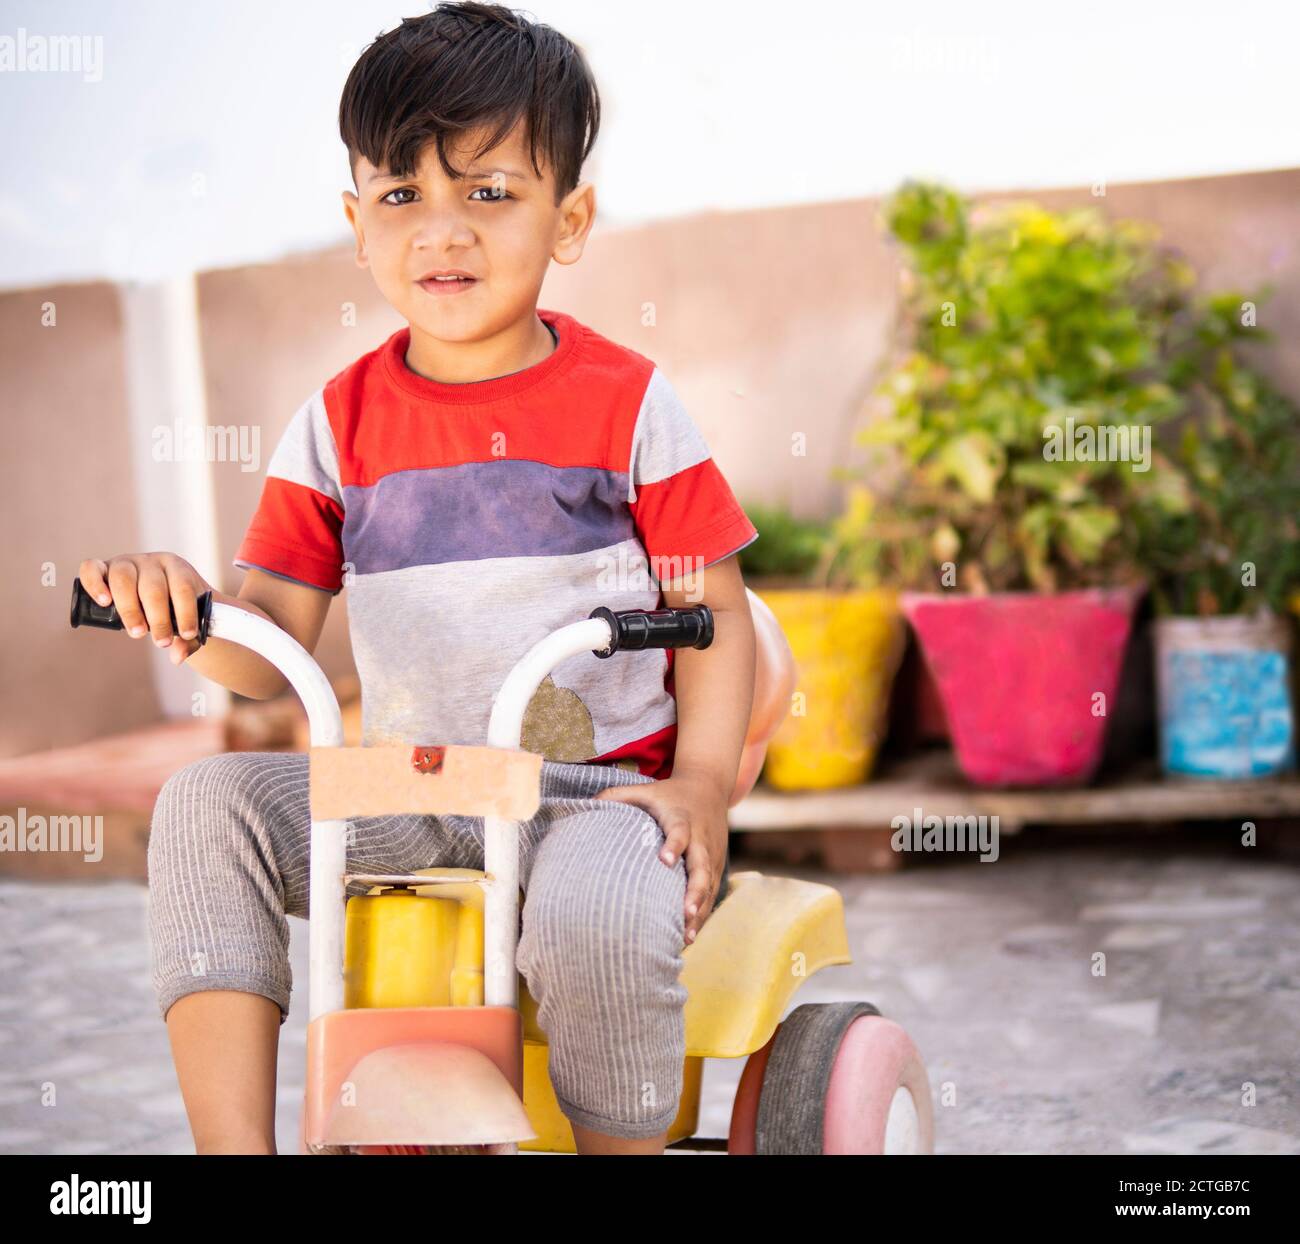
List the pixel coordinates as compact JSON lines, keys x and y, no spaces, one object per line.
{"x":328,"y":867}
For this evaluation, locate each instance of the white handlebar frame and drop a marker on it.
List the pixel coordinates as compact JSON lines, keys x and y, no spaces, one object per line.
{"x":328,"y":901}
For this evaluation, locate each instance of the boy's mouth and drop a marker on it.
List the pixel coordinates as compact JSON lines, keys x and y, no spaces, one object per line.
{"x":453,"y":282}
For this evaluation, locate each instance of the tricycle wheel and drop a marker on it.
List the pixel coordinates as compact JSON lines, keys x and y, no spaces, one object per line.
{"x":840,"y":1078}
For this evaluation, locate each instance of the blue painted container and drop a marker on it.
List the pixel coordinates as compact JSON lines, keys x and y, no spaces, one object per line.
{"x":1224,"y":686}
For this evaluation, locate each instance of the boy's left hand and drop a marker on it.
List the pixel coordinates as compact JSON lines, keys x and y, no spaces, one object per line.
{"x":692,"y":812}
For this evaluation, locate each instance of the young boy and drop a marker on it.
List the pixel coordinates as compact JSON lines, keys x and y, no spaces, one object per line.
{"x":488,"y":474}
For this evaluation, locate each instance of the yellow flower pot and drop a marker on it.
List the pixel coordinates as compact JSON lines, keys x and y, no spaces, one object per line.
{"x":848,"y":646}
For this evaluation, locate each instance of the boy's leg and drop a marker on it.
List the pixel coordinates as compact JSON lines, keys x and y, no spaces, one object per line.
{"x":228,"y":859}
{"x":601,"y":949}
{"x":224,"y":1045}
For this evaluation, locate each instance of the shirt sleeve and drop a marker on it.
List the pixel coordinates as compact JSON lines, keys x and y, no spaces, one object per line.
{"x":297,"y":529}
{"x":684,"y":511}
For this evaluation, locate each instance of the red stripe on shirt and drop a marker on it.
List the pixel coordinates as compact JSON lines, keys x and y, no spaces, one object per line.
{"x":296,"y":531}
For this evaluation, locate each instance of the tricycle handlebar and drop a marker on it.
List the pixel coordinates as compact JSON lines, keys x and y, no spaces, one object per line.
{"x":86,"y":612}
{"x":630,"y":629}
{"x":656,"y":628}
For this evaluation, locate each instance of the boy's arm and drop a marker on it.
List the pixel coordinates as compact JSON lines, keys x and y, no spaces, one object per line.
{"x":293,"y":607}
{"x":715,"y":695}
{"x":686,"y":514}
{"x":714,"y":685}
{"x":147,"y":588}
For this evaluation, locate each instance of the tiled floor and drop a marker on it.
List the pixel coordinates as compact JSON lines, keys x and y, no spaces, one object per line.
{"x":989,"y":967}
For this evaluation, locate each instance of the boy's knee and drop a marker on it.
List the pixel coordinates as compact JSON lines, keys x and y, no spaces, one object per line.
{"x":209,"y":779}
{"x":633,"y":937}
{"x":187,"y":789}
{"x":201,"y":803}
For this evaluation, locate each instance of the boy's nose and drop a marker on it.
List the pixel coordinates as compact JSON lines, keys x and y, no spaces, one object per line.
{"x":442,"y":229}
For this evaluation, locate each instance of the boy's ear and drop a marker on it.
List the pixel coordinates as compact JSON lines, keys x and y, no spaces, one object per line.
{"x":577,"y":215}
{"x":352,"y":210}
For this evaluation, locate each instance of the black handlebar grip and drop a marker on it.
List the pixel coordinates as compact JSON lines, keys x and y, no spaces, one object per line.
{"x":656,"y":628}
{"x":87,"y":612}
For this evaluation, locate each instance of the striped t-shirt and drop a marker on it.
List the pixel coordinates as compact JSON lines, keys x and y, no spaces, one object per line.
{"x":468,"y":521}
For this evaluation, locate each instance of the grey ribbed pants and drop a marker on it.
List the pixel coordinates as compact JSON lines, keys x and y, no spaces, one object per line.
{"x":602,"y":923}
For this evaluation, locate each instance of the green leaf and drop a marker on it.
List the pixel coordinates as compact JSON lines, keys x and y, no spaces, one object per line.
{"x":1060,"y":480}
{"x":975,"y":462}
{"x":1034,"y":534}
{"x":1085,"y":529}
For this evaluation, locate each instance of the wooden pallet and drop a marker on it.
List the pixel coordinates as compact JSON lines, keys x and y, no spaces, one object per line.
{"x":850,"y":828}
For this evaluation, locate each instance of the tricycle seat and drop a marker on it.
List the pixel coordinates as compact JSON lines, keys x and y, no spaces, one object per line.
{"x":753,"y":952}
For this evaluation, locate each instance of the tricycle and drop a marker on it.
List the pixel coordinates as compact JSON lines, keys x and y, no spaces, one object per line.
{"x":422,"y":1037}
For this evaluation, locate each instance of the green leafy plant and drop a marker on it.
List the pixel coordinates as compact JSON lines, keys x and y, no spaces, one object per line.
{"x":1237,"y":546}
{"x":787,"y":547}
{"x":1035,"y":341}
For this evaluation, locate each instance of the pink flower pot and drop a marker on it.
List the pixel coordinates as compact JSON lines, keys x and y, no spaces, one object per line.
{"x":1028,"y":680}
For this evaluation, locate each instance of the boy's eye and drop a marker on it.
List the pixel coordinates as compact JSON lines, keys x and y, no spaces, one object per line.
{"x":494,"y":195}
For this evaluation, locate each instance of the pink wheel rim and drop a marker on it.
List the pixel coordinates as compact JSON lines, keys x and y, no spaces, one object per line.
{"x":878,"y":1097}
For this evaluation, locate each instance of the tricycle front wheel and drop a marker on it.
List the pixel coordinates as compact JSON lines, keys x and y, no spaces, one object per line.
{"x":836,"y":1078}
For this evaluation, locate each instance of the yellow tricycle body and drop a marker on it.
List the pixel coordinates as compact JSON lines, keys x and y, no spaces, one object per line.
{"x":423,"y":947}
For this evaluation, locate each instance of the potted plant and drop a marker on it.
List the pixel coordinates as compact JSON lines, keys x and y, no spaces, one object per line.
{"x":1224,"y":571}
{"x":847,"y":641}
{"x":1011,"y":450}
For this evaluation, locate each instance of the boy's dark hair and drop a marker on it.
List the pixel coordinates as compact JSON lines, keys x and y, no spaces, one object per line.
{"x":461,"y":67}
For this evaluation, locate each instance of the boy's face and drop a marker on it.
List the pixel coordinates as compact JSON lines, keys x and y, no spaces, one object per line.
{"x":500,"y":224}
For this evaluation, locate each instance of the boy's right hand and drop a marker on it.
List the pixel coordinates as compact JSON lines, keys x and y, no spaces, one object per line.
{"x":141,"y":585}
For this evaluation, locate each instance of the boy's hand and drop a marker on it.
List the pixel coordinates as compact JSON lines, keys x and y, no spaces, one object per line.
{"x":692,"y":812}
{"x":141,"y":585}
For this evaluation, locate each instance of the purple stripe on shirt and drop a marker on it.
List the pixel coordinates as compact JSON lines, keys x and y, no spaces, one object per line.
{"x":476,"y":510}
